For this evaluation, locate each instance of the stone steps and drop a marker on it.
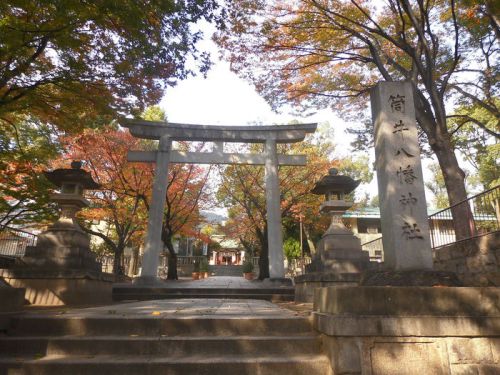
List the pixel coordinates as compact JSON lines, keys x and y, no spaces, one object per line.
{"x":134,"y":293}
{"x":232,"y":270}
{"x":171,"y":347}
{"x":262,"y":296}
{"x":65,"y":344}
{"x":189,"y":365}
{"x":148,"y":326}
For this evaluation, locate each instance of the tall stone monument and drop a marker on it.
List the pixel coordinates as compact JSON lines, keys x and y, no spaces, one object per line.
{"x":403,"y":209}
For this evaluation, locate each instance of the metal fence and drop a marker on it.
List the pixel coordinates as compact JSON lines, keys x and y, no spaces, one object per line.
{"x":13,"y":242}
{"x":484,"y":212}
{"x":484,"y":218}
{"x":107,"y":263}
{"x":295,"y":267}
{"x":185,"y":260}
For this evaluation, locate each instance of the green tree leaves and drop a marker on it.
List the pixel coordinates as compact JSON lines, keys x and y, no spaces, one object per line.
{"x":68,"y":62}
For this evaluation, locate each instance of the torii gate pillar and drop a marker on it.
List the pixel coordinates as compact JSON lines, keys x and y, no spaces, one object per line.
{"x":274,"y":232}
{"x":154,"y":244}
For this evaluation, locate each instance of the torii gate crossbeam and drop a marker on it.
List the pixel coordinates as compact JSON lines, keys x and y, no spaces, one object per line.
{"x":168,"y":132}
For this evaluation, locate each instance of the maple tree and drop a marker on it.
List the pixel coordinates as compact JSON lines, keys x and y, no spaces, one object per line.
{"x":124,"y":187}
{"x":68,"y":61}
{"x":124,"y":197}
{"x":242,"y":190}
{"x":26,"y":148}
{"x":318,"y":53}
{"x":186,"y":193}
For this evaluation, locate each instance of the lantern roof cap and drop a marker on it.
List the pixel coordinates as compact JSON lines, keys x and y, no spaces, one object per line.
{"x":333,"y":182}
{"x":72,"y":175}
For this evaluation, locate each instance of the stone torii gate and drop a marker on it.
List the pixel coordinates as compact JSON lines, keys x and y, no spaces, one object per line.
{"x":168,"y":132}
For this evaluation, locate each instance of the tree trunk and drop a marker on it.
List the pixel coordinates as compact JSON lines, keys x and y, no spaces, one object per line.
{"x":132,"y":270}
{"x":172,"y":260}
{"x":310,"y":243}
{"x":117,"y":261}
{"x":454,"y":179}
{"x":264,"y":256}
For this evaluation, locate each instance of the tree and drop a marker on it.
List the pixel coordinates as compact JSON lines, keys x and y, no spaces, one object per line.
{"x":124,"y":187}
{"x":291,"y":247}
{"x":320,"y":53}
{"x":186,"y":194}
{"x":26,"y":148}
{"x":476,"y":145}
{"x":124,"y":198}
{"x":242,"y":190}
{"x":437,"y":187}
{"x":68,"y":61}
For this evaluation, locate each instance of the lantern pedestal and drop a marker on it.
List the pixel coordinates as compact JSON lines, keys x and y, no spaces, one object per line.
{"x":338,"y":250}
{"x":61,"y":269}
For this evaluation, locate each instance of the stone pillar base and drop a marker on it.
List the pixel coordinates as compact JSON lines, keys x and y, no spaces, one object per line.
{"x":59,"y":288}
{"x":409,"y":330}
{"x":305,"y":284}
{"x":410,"y":278}
{"x":12,"y":298}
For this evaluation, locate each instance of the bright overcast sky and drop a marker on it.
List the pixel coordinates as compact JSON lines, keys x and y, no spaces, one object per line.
{"x":225,"y":99}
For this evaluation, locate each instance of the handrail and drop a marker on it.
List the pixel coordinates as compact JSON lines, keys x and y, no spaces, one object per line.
{"x":485,"y":217}
{"x":465,"y":200}
{"x":13,"y":241}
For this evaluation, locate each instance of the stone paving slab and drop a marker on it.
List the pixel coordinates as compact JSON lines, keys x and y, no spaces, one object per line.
{"x":217,"y":282}
{"x":181,"y":308}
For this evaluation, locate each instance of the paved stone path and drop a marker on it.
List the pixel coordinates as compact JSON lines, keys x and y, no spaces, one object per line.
{"x":181,"y":308}
{"x":224,"y":282}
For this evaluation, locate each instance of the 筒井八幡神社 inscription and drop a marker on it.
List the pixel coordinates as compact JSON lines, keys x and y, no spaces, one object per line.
{"x":403,"y":211}
{"x":270,"y":136}
{"x":408,"y":200}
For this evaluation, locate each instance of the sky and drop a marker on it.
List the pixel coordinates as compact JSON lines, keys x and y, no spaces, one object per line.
{"x":225,"y":99}
{"x":222,"y":98}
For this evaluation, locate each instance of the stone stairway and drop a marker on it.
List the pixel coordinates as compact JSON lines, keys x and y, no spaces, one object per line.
{"x":147,"y":344}
{"x":218,"y":287}
{"x":140,"y":293}
{"x":221,"y":270}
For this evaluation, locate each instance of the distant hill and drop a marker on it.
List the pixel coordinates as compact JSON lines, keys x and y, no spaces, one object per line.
{"x":213,"y":217}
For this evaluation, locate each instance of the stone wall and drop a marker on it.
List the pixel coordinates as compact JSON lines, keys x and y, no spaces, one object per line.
{"x":410,"y":330}
{"x":476,"y":261}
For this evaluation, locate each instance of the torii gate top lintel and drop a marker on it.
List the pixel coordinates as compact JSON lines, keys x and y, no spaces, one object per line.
{"x":218,"y":133}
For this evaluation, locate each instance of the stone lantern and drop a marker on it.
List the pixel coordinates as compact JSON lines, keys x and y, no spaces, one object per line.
{"x":72,"y":184}
{"x":61,"y":269}
{"x":64,"y":245}
{"x":339,"y":259}
{"x":335,"y":188}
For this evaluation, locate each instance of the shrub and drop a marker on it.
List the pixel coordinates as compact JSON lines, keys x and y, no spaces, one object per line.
{"x":196,"y":266}
{"x":203,"y":265}
{"x":247,"y":266}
